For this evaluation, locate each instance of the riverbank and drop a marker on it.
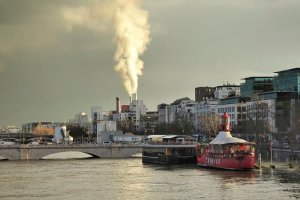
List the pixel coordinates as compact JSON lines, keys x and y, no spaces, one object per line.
{"x":291,"y":166}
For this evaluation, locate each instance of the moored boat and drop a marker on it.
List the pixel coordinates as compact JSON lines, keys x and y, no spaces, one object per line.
{"x":169,"y":150}
{"x":225,"y":151}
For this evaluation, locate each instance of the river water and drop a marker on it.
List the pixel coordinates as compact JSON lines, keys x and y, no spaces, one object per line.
{"x":131,"y":179}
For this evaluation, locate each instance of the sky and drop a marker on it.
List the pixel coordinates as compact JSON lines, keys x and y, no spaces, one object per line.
{"x":54,"y":64}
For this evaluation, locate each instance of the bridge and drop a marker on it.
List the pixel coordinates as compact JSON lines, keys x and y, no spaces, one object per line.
{"x":35,"y":152}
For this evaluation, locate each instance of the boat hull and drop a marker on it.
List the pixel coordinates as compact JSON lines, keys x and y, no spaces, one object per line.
{"x":169,"y":160}
{"x":169,"y":154}
{"x":231,"y":162}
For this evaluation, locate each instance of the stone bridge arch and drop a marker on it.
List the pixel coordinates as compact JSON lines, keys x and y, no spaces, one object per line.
{"x":69,"y":155}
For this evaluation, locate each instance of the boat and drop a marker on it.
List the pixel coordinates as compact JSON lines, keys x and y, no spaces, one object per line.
{"x":169,"y":150}
{"x":226,"y":151}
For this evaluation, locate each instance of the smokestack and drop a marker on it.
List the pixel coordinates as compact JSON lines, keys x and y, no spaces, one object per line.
{"x":118,"y":104}
{"x":134,"y":96}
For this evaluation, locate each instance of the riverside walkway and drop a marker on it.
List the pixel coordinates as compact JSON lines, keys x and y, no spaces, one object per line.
{"x":35,"y":152}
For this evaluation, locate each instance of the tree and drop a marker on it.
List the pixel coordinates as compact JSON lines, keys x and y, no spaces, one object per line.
{"x":294,"y":126}
{"x":258,"y":115}
{"x":210,"y":124}
{"x":76,"y":131}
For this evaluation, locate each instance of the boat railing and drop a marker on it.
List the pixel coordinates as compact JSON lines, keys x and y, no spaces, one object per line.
{"x":230,"y":155}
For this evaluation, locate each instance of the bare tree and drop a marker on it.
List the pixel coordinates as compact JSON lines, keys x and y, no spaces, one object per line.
{"x":294,"y":126}
{"x":258,"y":115}
{"x":210,"y":124}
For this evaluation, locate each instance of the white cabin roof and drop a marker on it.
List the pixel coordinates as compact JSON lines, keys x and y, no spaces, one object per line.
{"x":226,"y":138}
{"x":155,"y":136}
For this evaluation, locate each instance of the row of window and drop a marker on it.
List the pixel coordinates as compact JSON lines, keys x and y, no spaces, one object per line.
{"x":226,"y":109}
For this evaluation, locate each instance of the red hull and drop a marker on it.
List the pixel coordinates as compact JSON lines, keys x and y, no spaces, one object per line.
{"x":233,"y":162}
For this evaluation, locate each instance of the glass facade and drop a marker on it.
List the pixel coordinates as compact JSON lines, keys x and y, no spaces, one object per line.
{"x":288,"y":80}
{"x":256,"y":85}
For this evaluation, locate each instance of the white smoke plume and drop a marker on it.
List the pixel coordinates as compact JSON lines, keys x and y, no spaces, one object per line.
{"x":132,"y":33}
{"x":132,"y":36}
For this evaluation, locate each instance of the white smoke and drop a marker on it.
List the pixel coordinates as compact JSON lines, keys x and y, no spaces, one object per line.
{"x":132,"y":36}
{"x":132,"y":33}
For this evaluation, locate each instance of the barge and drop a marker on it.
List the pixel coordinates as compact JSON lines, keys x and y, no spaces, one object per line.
{"x":169,"y":150}
{"x":225,"y":151}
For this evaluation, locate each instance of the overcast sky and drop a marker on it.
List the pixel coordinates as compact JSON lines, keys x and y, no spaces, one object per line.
{"x":50,"y":69}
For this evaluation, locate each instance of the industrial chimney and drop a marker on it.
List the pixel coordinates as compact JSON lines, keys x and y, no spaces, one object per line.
{"x":118,"y":104}
{"x":134,"y":96}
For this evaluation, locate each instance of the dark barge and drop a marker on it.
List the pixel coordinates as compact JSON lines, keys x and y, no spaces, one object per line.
{"x":169,"y":150}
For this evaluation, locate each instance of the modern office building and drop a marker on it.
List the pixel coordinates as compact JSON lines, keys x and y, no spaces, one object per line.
{"x":288,"y":81}
{"x":256,"y":85}
{"x":287,"y":109}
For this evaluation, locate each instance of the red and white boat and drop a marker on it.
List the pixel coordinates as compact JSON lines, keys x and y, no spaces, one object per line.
{"x":225,"y":151}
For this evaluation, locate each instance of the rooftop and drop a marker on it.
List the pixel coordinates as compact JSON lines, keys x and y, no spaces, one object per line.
{"x":289,"y":70}
{"x":258,"y":77}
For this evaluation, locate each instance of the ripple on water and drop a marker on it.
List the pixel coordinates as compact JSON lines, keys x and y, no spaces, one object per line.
{"x":131,"y":179}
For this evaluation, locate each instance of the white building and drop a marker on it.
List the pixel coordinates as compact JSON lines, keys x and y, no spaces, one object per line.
{"x":183,"y":107}
{"x":241,"y":111}
{"x":203,"y":108}
{"x":206,"y":107}
{"x":105,"y":126}
{"x":122,"y":116}
{"x":264,"y":109}
{"x":225,"y":91}
{"x":137,"y":109}
{"x":231,"y":110}
{"x":100,"y":119}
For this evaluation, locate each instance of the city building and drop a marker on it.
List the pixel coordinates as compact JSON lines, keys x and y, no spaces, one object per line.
{"x":162,"y":113}
{"x":263,"y":111}
{"x":256,"y":85}
{"x":103,"y":127}
{"x":224,"y":91}
{"x":288,"y":81}
{"x":99,"y":116}
{"x":149,"y":122}
{"x":40,"y":128}
{"x":80,"y":119}
{"x":137,"y":109}
{"x":181,"y":108}
{"x":204,"y":108}
{"x":286,"y":111}
{"x":204,"y":93}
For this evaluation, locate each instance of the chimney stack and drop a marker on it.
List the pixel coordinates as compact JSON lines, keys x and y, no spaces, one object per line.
{"x":118,"y":104}
{"x":134,"y":96}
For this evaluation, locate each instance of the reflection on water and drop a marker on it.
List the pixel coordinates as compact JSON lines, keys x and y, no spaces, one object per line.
{"x":131,"y":179}
{"x":67,"y":155}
